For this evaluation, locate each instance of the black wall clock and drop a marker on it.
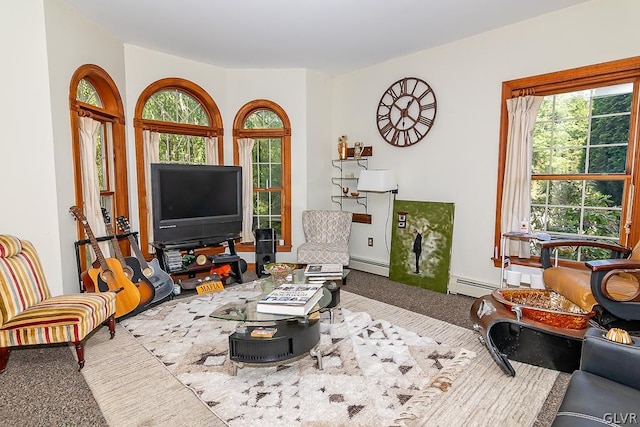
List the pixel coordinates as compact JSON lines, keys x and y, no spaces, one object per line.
{"x":406,"y":112}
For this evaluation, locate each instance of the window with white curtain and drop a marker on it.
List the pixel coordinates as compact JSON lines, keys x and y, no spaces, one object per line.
{"x":584,"y":155}
{"x":94,"y":95}
{"x":87,"y":93}
{"x":580,"y":164}
{"x":267,"y":125}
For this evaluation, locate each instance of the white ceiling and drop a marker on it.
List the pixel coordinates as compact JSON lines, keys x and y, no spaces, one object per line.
{"x":334,"y":36}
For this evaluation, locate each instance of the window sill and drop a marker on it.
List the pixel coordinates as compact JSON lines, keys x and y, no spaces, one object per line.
{"x":252,"y":248}
{"x":534,"y":262}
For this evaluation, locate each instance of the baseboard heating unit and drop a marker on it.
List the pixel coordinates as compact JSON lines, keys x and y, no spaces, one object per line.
{"x":470,"y":287}
{"x":369,"y":266}
{"x":457,"y":284}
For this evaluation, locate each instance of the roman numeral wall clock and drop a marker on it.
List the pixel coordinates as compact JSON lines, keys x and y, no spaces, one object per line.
{"x":406,"y":112}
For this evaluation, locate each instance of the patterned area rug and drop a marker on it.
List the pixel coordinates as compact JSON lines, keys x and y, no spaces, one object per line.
{"x":375,"y":373}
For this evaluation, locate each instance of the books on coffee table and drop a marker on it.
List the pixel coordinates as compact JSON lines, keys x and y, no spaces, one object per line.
{"x":324,"y":270}
{"x":293,"y":299}
{"x":262,"y":332}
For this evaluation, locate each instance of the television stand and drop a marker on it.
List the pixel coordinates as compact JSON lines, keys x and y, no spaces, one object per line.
{"x":166,"y":250}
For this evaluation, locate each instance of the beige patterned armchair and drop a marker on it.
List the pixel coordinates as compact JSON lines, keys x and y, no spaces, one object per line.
{"x":327,"y":237}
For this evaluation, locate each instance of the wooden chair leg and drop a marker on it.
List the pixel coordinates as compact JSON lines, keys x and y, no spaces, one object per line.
{"x":80,"y":353}
{"x":111,"y":321}
{"x":4,"y":358}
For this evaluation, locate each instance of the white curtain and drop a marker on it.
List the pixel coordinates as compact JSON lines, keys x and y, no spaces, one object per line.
{"x":245,"y":149}
{"x":151,"y":144}
{"x":516,"y":191}
{"x":211,"y":150}
{"x":90,"y":184}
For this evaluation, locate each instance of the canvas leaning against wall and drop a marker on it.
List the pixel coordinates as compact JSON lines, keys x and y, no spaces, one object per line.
{"x":421,"y":244}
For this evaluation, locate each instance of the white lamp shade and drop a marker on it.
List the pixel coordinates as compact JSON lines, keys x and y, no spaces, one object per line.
{"x":377,"y":181}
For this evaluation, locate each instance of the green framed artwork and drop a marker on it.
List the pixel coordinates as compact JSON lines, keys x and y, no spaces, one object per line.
{"x":421,"y":244}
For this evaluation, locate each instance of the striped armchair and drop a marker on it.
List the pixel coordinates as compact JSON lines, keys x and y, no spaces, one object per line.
{"x":30,"y":315}
{"x":327,"y":237}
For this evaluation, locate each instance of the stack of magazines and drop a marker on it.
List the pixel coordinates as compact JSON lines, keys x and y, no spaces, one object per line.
{"x":322,"y":272}
{"x":293,"y":299}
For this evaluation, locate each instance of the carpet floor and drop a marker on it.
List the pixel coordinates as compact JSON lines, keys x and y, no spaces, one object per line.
{"x":41,"y":386}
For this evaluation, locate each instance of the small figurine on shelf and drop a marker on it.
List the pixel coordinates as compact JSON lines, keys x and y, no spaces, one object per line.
{"x":357,"y":150}
{"x":342,"y":147}
{"x":345,"y":191}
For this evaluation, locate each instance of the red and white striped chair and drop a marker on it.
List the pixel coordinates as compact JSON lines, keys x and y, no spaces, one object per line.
{"x":29,"y":315}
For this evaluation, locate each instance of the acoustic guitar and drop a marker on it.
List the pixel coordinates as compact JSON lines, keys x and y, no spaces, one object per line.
{"x":110,"y":272}
{"x":160,"y":279}
{"x":130,"y":265}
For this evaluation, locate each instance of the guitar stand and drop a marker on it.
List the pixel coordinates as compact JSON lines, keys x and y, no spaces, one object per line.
{"x":84,"y":242}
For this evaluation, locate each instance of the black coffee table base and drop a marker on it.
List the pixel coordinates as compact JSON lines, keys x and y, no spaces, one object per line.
{"x":293,"y":339}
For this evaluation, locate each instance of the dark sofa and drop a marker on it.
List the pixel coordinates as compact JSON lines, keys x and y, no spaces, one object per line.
{"x":606,"y":388}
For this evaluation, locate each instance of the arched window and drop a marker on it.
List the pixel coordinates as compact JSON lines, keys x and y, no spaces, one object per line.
{"x":99,"y":149}
{"x":266,"y":127}
{"x":175,"y":121}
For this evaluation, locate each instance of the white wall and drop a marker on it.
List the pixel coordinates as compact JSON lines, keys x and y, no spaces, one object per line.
{"x":320,"y":149}
{"x":72,"y":41}
{"x":287,"y":88}
{"x":231,"y":89}
{"x":144,"y":67}
{"x":457,"y":161}
{"x":28,"y":191}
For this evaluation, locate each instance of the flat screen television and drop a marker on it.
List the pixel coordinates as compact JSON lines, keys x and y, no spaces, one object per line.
{"x":195,"y":202}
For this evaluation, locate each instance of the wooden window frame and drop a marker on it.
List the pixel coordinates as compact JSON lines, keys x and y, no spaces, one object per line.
{"x":112,"y":111}
{"x":215,"y":129}
{"x":285,"y":134}
{"x":574,"y":79}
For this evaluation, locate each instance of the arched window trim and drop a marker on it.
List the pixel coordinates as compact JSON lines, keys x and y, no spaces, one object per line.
{"x":113,"y":112}
{"x":285,"y":133}
{"x":215,"y":129}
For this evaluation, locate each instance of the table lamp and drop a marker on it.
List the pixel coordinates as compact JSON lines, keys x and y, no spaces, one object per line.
{"x":377,"y":181}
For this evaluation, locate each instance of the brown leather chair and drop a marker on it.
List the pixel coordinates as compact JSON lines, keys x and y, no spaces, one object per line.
{"x":610,"y":287}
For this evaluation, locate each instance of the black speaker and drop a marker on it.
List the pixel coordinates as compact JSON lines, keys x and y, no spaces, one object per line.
{"x":265,"y":248}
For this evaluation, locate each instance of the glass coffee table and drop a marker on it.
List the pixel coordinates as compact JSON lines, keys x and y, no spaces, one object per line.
{"x":295,"y":335}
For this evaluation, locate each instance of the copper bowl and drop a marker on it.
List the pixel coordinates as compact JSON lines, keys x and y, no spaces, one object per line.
{"x":544,"y":306}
